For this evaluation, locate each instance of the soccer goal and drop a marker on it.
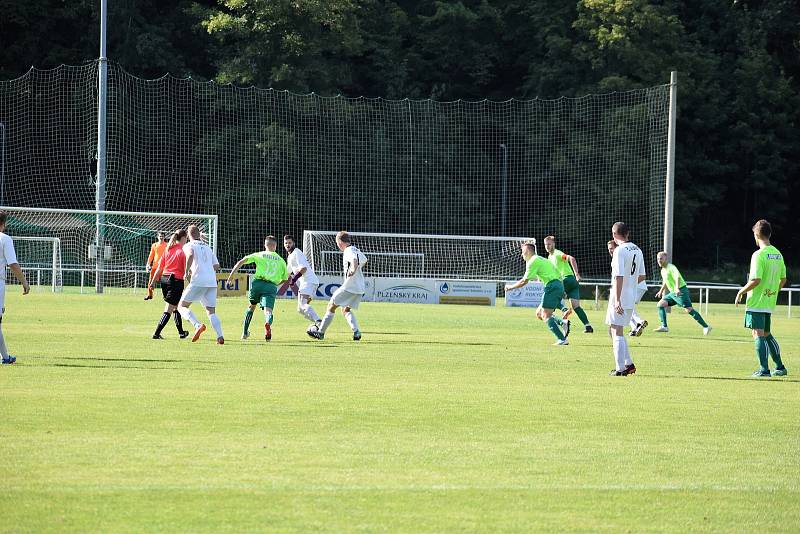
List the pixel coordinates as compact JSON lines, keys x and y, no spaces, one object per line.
{"x":125,"y":242}
{"x":455,"y":257}
{"x":40,"y":259}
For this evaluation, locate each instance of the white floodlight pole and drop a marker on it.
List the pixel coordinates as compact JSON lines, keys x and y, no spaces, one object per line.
{"x":669,"y":200}
{"x":100,"y":201}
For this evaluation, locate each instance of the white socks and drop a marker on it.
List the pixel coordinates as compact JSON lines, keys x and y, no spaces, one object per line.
{"x":620,"y":351}
{"x":635,"y":319}
{"x":351,"y":320}
{"x":326,"y":322}
{"x":304,"y":308}
{"x":215,"y":322}
{"x":3,"y":349}
{"x":189,"y":315}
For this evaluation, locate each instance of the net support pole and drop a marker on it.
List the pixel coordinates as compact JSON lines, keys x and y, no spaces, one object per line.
{"x":504,"y":189}
{"x":2,"y":160}
{"x":100,"y":201}
{"x":669,"y":198}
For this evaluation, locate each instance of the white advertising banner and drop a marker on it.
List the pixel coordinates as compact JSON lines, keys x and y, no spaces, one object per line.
{"x":529,"y":295}
{"x":327,"y":285}
{"x":466,"y":292}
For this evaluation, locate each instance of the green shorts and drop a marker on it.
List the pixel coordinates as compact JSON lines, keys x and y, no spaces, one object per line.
{"x":681,"y":298}
{"x":262,"y":293}
{"x":571,"y":287}
{"x":553,"y":292}
{"x":758,"y":320}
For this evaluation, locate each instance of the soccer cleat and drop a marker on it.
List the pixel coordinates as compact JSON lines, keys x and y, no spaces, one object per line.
{"x":198,"y":332}
{"x":761,"y":374}
{"x":184,"y":334}
{"x":157,"y":336}
{"x":588,"y":329}
{"x":780,"y":372}
{"x":640,"y":328}
{"x":630,"y":369}
{"x":614,"y":372}
{"x":267,"y":331}
{"x":661,"y":329}
{"x":220,"y":341}
{"x":565,"y":329}
{"x":561,"y":342}
{"x":357,"y":335}
{"x":148,"y":297}
{"x":316,"y":334}
{"x":706,"y":330}
{"x":245,"y":335}
{"x":8,"y":361}
{"x":567,"y":312}
{"x":632,"y":333}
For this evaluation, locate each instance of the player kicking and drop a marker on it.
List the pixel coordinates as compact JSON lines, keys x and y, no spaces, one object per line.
{"x":203,"y":265}
{"x":8,"y":258}
{"x":156,"y":251}
{"x":538,"y":267}
{"x":567,"y":267}
{"x":270,"y":273}
{"x":303,"y":277}
{"x":627,"y":272}
{"x":767,"y":278}
{"x":349,"y":295}
{"x":171,"y":273}
{"x":637,"y":323}
{"x":678,"y":294}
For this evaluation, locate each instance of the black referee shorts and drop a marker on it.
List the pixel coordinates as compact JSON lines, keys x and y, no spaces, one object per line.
{"x":172,"y":289}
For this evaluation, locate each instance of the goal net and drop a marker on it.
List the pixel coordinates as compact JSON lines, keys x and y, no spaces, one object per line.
{"x":449,"y":257}
{"x":275,"y":162}
{"x":40,"y":259}
{"x":126,"y":238}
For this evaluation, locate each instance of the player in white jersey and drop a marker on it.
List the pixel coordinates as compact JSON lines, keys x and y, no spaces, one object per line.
{"x":627,"y":271}
{"x":203,"y":265}
{"x":637,"y":323}
{"x":8,"y":258}
{"x":349,"y":295}
{"x":303,"y":277}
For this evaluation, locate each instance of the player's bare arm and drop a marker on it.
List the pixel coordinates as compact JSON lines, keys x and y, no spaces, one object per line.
{"x":747,"y":287}
{"x":17,"y":270}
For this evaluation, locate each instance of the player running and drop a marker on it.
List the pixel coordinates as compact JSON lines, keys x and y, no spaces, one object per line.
{"x":637,"y":323}
{"x":767,"y":278}
{"x":8,"y":258}
{"x":678,"y":295}
{"x":170,"y":272}
{"x":627,"y":272}
{"x":567,"y":267}
{"x":303,"y":277}
{"x":349,"y":295}
{"x":270,"y":273}
{"x":156,"y":251}
{"x":203,"y":265}
{"x":538,"y":267}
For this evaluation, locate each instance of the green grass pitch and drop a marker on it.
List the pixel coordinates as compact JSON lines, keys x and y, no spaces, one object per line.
{"x":444,"y":418}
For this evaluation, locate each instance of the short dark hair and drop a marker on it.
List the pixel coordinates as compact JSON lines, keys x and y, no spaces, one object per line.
{"x":344,"y":237}
{"x":528,"y":245}
{"x":550,"y":238}
{"x":271,"y":240}
{"x":289,"y":237}
{"x":761,"y":228}
{"x":620,"y":228}
{"x":3,"y":216}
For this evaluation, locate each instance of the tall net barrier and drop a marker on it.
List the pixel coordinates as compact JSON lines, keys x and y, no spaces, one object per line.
{"x":39,"y":258}
{"x":422,"y":256}
{"x":274,"y":162}
{"x":126,"y":238}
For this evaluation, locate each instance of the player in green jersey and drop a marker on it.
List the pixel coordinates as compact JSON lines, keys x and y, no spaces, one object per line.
{"x":567,"y":267}
{"x":674,"y":292}
{"x":767,"y":278}
{"x":538,"y":267}
{"x":270,"y":273}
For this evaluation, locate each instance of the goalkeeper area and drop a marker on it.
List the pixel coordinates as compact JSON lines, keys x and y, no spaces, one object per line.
{"x":450,"y":418}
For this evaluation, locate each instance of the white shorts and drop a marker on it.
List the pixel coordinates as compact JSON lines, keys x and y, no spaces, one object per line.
{"x":309,"y":290}
{"x":615,"y":319}
{"x":346,"y":299}
{"x":206,"y":295}
{"x":640,"y":291}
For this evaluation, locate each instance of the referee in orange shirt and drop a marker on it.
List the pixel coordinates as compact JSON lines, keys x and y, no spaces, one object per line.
{"x":156,"y":251}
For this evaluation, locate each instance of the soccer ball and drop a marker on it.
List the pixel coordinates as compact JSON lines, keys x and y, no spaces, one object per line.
{"x":312,"y":328}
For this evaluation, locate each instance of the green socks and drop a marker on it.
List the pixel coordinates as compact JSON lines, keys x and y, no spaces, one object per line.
{"x":581,"y":315}
{"x":662,"y":314}
{"x":774,"y":350}
{"x":699,"y":318}
{"x":552,"y":324}
{"x":761,"y":353}
{"x":248,"y":316}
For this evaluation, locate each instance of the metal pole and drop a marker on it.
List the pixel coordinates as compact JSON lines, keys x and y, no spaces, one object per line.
{"x":504,"y":175}
{"x":2,"y":161}
{"x":101,"y":147}
{"x":669,"y":200}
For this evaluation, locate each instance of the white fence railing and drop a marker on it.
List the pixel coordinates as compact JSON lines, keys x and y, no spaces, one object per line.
{"x":703,"y":290}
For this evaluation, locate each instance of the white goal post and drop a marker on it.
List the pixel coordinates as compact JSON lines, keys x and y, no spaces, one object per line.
{"x":126,"y":240}
{"x":37,"y":254}
{"x":452,"y":257}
